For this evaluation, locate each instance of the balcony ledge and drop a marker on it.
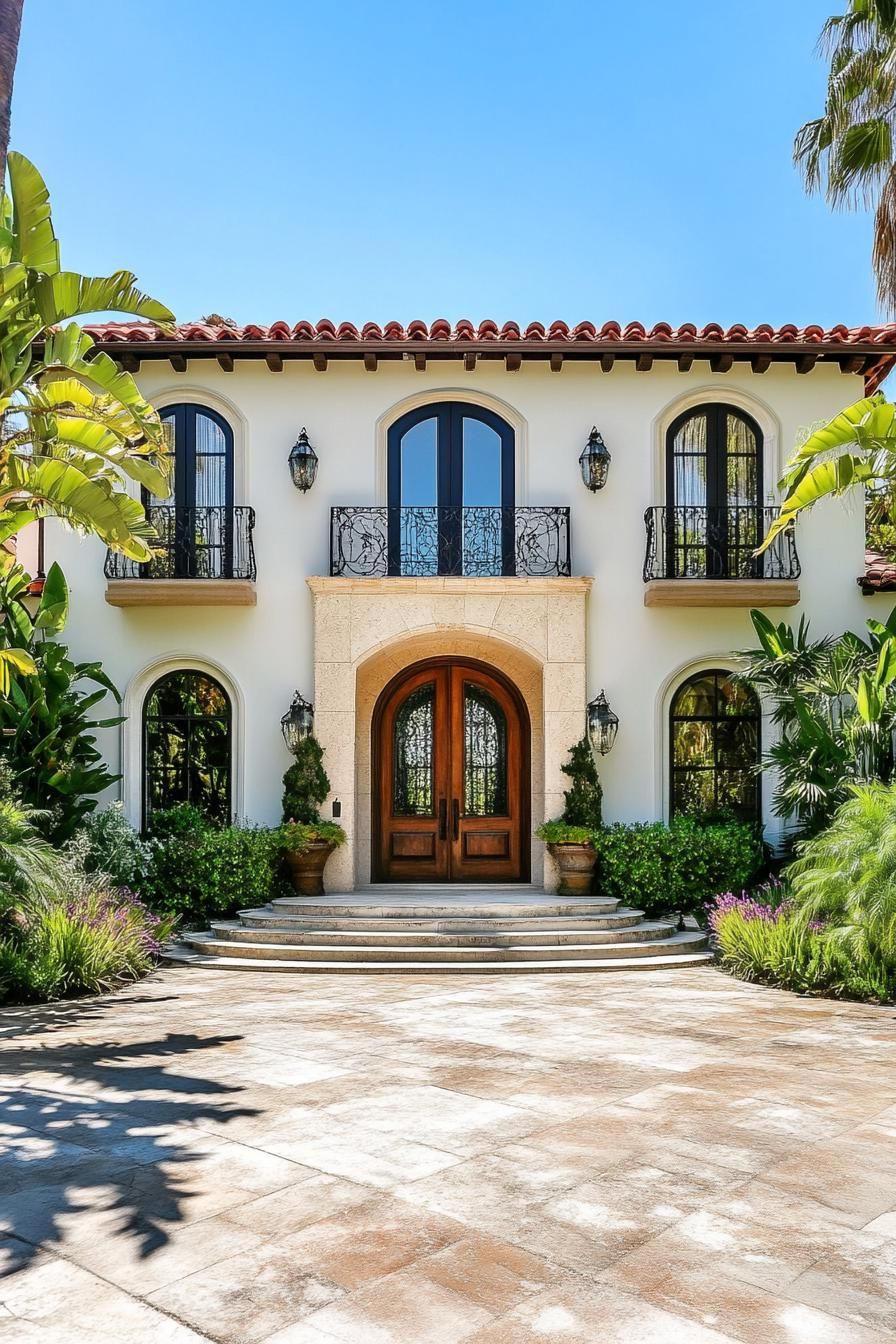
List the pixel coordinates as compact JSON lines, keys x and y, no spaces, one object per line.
{"x":721,"y":593}
{"x":180,"y":593}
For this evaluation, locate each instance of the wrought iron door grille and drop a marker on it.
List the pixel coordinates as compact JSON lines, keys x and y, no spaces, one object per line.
{"x":211,"y":542}
{"x":478,"y":542}
{"x":690,"y":542}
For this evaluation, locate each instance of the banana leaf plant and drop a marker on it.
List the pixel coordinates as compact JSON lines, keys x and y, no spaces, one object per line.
{"x":47,"y":727}
{"x":856,"y":448}
{"x":76,"y":434}
{"x":834,"y":703}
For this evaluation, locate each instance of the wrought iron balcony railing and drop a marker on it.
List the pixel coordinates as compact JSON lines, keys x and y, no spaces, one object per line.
{"x":478,"y":542}
{"x":690,"y":542}
{"x":209,"y":542}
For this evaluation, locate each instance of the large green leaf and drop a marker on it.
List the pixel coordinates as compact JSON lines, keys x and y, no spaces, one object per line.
{"x":34,"y":240}
{"x":12,"y":661}
{"x":52,"y":613}
{"x":95,"y":505}
{"x":67,"y":294}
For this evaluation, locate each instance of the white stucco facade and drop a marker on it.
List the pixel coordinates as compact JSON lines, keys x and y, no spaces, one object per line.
{"x":561,"y":641}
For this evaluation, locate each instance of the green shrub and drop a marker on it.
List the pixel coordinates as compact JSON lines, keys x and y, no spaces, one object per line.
{"x":773,"y":943}
{"x":561,"y":833}
{"x":199,"y":871}
{"x":108,"y":843}
{"x":298,"y":835}
{"x":305,"y":784}
{"x":845,"y":877}
{"x":583,"y":801}
{"x":83,"y":939}
{"x":677,"y":868}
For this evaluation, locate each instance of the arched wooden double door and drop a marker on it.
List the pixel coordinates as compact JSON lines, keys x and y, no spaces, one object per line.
{"x":450,"y":776}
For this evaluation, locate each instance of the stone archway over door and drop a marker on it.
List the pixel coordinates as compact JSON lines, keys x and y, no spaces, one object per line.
{"x":450,"y":751}
{"x":366,"y":631}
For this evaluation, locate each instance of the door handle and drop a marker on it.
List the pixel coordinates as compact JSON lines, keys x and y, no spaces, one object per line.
{"x":455,"y":817}
{"x":443,"y":818}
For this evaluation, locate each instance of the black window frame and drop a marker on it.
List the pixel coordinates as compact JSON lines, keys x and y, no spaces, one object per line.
{"x":719,"y":526}
{"x":449,"y":417}
{"x":184,"y":416}
{"x":146,"y":809}
{"x":675,"y":769}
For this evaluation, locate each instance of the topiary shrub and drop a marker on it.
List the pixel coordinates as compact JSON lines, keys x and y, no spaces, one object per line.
{"x":583,"y":801}
{"x":679,"y":868}
{"x":305,"y":784}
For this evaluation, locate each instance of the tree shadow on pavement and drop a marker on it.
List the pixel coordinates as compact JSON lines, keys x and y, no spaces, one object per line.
{"x":111,"y":1127}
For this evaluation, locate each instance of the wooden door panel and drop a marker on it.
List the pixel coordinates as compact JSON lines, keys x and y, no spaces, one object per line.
{"x":459,"y":813}
{"x":411,"y":781}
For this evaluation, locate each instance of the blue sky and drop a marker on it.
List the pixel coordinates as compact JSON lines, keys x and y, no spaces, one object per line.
{"x":456,"y":158}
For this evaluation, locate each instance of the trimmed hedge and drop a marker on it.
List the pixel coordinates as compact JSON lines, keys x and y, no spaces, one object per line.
{"x":677,"y":868}
{"x":198,"y":871}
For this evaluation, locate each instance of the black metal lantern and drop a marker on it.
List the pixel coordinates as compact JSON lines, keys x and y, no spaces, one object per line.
{"x":603,"y":725}
{"x":303,"y":462}
{"x":595,"y":461}
{"x":297,"y":723}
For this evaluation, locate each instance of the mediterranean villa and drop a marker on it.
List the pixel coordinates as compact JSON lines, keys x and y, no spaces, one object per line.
{"x":451,"y":539}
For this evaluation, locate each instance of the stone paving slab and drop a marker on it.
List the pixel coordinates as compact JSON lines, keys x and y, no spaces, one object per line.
{"x":268,"y":1160}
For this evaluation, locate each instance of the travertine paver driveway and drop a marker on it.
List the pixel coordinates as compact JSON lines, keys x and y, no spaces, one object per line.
{"x":249,"y":1157}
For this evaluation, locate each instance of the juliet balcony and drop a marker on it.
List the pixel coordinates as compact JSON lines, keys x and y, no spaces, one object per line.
{"x":428,"y":541}
{"x":203,"y":556}
{"x":705,"y":557}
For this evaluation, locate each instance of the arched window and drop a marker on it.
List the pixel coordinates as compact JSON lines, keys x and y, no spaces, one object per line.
{"x":714,"y":733}
{"x":713,"y":493}
{"x":195,"y":522}
{"x":451,"y":491}
{"x":187,"y":745}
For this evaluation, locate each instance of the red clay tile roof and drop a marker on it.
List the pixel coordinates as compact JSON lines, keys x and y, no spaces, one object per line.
{"x":876,"y":344}
{"x":880,"y":574}
{"x":610,"y":333}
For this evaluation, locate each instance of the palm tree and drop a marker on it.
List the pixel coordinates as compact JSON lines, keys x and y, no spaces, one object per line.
{"x":849,"y":152}
{"x":10,"y":24}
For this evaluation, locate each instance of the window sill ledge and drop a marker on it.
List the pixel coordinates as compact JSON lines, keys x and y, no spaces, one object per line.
{"x":721,"y":593}
{"x":180,"y":593}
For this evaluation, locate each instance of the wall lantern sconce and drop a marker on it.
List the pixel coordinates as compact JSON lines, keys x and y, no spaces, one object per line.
{"x":603,"y":725}
{"x":595,"y":461}
{"x":297,"y":723}
{"x":303,"y":462}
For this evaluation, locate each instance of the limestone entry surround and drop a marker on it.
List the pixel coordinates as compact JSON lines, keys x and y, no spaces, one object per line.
{"x":367,"y":630}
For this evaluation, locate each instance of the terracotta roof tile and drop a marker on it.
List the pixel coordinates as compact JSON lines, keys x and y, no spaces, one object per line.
{"x":611,"y":337}
{"x":488,"y":330}
{"x":880,"y":574}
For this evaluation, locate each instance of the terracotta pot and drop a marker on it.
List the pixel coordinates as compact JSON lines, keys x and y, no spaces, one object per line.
{"x":306,"y":868}
{"x":576,"y":864}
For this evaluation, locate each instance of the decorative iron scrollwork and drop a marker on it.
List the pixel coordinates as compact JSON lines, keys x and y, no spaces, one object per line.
{"x":210,"y":542}
{"x":691,"y":542}
{"x":479,"y":541}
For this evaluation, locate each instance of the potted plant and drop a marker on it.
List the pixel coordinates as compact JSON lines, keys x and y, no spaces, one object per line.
{"x":570,"y":838}
{"x":307,"y":841}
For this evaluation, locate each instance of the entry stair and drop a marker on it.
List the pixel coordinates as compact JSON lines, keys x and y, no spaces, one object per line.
{"x":441,"y":930}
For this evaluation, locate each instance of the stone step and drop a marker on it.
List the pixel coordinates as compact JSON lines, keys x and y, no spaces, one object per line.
{"x":659,"y":945}
{"x":430,"y":968}
{"x":636,"y":930}
{"x":266,"y":918}
{"x":356,"y":905}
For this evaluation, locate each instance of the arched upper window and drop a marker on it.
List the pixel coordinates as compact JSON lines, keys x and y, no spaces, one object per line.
{"x":714,"y":735}
{"x":450,"y":479}
{"x":195,"y":521}
{"x":187,"y":745}
{"x":714,"y":492}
